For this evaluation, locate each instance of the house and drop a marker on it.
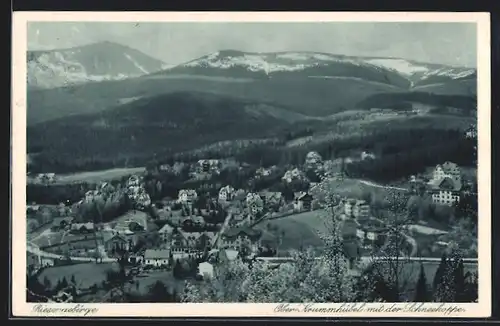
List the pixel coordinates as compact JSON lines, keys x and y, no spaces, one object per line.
{"x":208,"y":165}
{"x":272,"y":200}
{"x":199,"y":241}
{"x":263,"y":172}
{"x":132,"y":221}
{"x":446,"y":170}
{"x":114,"y":242}
{"x":193,"y":222}
{"x":133,"y":180}
{"x":188,"y":242}
{"x":254,"y":203}
{"x":226,"y":193}
{"x":63,"y":209}
{"x":82,"y":227}
{"x":46,"y":177}
{"x":445,"y":191}
{"x":157,"y":257}
{"x":166,"y":233}
{"x":367,"y":155}
{"x":313,"y":161}
{"x":361,"y":210}
{"x":471,"y":132}
{"x":358,"y":209}
{"x":61,"y":223}
{"x":302,"y":201}
{"x":292,"y":175}
{"x":165,"y":168}
{"x":178,"y":242}
{"x":142,"y":199}
{"x":206,"y":270}
{"x":240,"y":238}
{"x":228,"y":255}
{"x":371,"y":230}
{"x":187,"y":196}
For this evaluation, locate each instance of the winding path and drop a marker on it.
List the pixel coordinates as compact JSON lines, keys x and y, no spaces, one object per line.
{"x":373,"y":184}
{"x":222,"y":229}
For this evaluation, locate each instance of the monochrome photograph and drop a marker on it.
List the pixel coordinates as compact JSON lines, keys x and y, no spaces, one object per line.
{"x":251,"y":162}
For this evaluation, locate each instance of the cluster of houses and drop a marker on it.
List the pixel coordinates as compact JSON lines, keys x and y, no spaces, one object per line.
{"x":445,"y":186}
{"x":356,"y":214}
{"x":44,"y":178}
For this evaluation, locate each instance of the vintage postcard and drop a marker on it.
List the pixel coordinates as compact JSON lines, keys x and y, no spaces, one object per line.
{"x":270,"y":164}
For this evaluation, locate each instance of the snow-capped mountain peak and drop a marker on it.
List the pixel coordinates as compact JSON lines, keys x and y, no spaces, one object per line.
{"x":267,"y":62}
{"x":93,"y":62}
{"x":296,"y":61}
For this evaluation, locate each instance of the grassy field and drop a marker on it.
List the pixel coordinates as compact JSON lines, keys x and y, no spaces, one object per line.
{"x":86,"y":274}
{"x":353,"y":188}
{"x":299,"y":229}
{"x":97,"y":176}
{"x":146,"y":281}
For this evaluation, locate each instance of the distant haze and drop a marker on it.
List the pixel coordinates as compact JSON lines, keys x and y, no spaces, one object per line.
{"x":444,"y":43}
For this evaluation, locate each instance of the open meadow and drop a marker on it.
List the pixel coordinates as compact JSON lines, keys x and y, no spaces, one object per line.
{"x":97,"y":176}
{"x":85,"y":274}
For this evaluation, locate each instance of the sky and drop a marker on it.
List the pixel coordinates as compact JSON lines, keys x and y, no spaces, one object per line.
{"x":178,"y":42}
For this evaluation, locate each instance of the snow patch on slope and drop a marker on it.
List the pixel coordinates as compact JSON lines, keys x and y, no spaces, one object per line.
{"x":454,"y":73}
{"x":137,"y":65}
{"x":269,"y":62}
{"x":251,"y":62}
{"x":399,"y":65}
{"x":57,"y":70}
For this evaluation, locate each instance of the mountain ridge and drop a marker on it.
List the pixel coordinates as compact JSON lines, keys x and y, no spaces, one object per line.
{"x":87,"y":63}
{"x":309,"y":83}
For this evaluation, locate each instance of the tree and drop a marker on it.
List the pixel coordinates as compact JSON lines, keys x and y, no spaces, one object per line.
{"x":64,"y":283}
{"x":451,"y":282}
{"x":225,"y":286}
{"x":392,"y":259}
{"x":439,"y":273}
{"x":46,"y":283}
{"x":158,"y":292}
{"x":73,"y":280}
{"x":335,"y":260}
{"x":422,"y":292}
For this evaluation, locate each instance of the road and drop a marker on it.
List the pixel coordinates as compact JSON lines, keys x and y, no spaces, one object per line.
{"x":222,"y":229}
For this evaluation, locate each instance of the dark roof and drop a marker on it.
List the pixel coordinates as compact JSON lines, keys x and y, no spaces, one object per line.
{"x":109,"y":236}
{"x":157,"y":254}
{"x":438,"y":184}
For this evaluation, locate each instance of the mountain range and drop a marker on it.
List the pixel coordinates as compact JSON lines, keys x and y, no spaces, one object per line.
{"x":94,"y":62}
{"x":108,"y":100}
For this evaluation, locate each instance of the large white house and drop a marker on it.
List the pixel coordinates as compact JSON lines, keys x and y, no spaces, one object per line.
{"x":447,"y":170}
{"x":156,"y":257}
{"x":446,"y":184}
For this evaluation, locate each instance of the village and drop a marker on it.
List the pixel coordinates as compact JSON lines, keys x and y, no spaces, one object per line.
{"x":172,"y":239}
